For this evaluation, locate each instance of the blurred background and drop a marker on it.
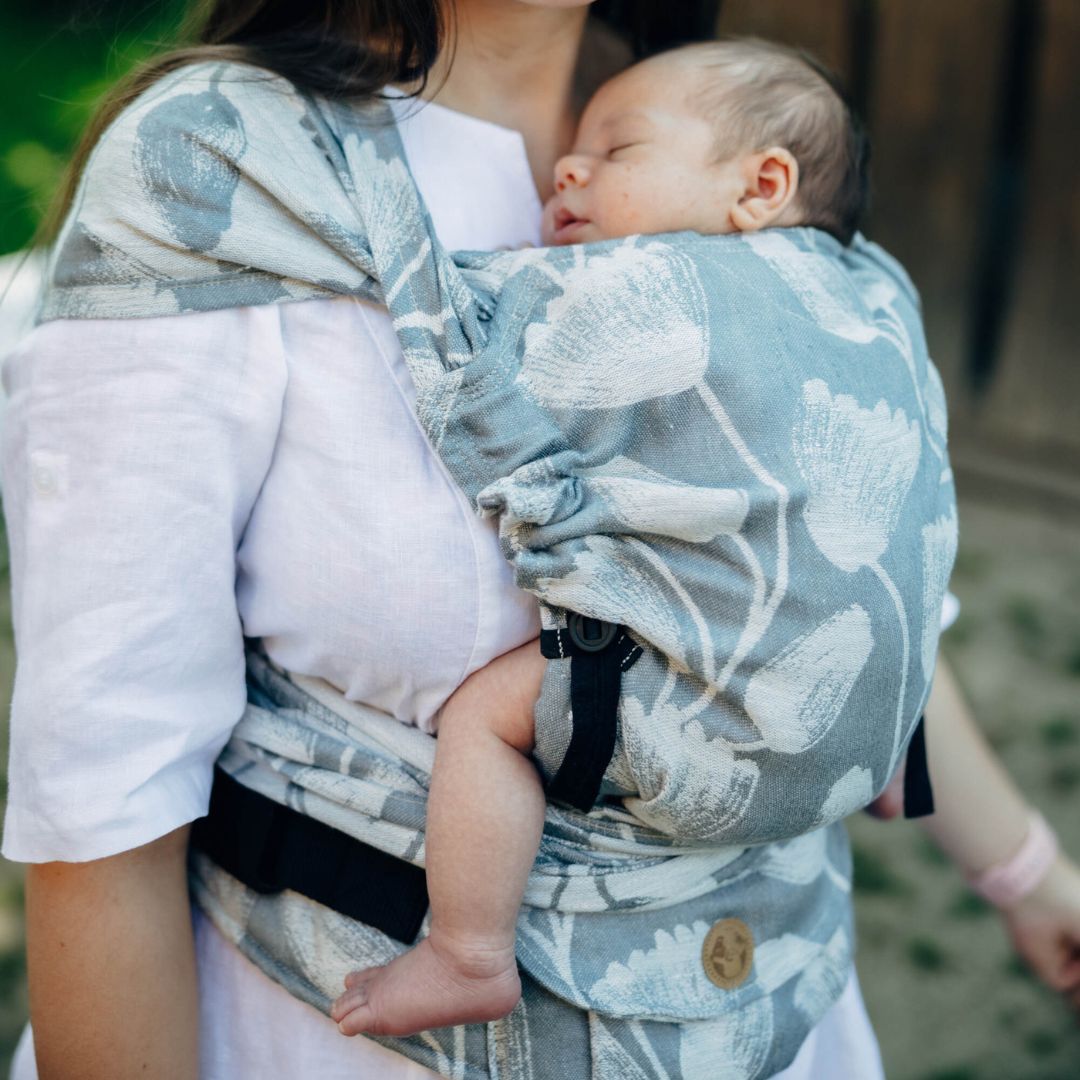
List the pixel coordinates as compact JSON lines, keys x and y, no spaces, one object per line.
{"x":973,"y":108}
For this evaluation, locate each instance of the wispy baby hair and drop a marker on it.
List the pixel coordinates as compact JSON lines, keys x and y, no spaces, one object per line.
{"x":760,"y":94}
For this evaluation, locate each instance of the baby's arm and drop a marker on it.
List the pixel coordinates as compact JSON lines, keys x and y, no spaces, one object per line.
{"x":504,"y":693}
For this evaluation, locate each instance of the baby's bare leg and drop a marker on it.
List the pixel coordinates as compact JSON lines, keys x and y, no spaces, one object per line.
{"x":485,"y":816}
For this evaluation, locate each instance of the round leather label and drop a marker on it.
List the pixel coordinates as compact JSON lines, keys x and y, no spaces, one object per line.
{"x":728,"y":953}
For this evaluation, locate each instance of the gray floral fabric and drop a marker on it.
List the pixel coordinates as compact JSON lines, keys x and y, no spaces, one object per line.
{"x":734,"y":446}
{"x":610,"y":935}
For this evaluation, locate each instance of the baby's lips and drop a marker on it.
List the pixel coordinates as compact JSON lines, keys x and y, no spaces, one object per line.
{"x":563,"y":217}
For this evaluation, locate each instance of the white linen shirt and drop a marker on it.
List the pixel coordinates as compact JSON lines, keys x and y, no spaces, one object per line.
{"x":172,"y":484}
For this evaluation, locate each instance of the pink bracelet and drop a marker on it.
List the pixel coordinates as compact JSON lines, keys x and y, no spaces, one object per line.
{"x":1006,"y":882}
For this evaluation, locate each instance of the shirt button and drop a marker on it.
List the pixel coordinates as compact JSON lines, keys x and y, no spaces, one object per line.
{"x":45,"y":480}
{"x":728,"y":953}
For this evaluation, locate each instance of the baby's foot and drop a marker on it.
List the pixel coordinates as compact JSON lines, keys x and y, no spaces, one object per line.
{"x":430,"y":986}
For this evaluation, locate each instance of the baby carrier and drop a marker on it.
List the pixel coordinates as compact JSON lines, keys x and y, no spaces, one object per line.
{"x":718,"y":462}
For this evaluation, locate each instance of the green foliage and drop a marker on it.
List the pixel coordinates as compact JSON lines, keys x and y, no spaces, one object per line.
{"x":969,"y":905}
{"x":1059,"y":731}
{"x":931,"y":854}
{"x":1041,"y":1043}
{"x":926,"y":954}
{"x":1065,"y":778}
{"x":54,"y":67}
{"x":1022,"y":614}
{"x":871,"y":875}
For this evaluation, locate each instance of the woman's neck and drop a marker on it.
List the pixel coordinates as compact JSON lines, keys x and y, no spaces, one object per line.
{"x":513,"y":64}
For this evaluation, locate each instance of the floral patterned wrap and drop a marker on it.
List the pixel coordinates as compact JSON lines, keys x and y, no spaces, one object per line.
{"x":733,"y":446}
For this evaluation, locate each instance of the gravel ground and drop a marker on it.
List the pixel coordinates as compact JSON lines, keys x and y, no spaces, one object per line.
{"x":947,"y":997}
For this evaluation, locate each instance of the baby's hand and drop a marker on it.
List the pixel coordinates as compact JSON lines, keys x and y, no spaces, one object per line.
{"x":1045,"y":929}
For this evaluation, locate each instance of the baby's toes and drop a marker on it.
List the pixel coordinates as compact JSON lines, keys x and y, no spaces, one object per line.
{"x":353,"y":998}
{"x":357,"y":1020}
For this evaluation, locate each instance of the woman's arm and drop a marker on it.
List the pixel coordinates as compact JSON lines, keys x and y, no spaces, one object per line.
{"x":133,"y":453}
{"x":112,"y":965}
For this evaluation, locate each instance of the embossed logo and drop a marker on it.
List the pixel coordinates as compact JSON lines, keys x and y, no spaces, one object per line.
{"x":728,"y":953}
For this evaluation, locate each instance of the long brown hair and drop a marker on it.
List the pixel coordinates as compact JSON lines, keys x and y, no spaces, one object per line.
{"x":342,"y":49}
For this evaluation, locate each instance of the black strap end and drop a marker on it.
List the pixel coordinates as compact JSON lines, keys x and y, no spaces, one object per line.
{"x":918,"y":793}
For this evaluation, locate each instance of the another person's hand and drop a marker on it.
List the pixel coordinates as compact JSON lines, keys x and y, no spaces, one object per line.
{"x":1045,"y":929}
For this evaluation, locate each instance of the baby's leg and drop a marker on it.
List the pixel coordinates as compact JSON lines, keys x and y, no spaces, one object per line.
{"x":485,"y":817}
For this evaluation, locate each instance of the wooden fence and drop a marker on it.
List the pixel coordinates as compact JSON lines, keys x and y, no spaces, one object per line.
{"x":974,"y":111}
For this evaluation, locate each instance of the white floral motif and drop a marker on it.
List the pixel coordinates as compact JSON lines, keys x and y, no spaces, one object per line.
{"x":577,"y":357}
{"x":823,"y":980}
{"x":818,"y":282}
{"x":795,"y":698}
{"x":613,"y":1060}
{"x":853,"y":790}
{"x":690,"y":785}
{"x":670,"y":977}
{"x":780,"y":959}
{"x":798,"y":861}
{"x":732,"y":1047}
{"x":939,"y":553}
{"x":937,"y":414}
{"x":325,"y":945}
{"x":859,"y":465}
{"x":650,"y":502}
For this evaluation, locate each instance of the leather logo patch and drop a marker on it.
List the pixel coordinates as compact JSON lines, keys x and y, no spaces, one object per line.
{"x":728,"y":953}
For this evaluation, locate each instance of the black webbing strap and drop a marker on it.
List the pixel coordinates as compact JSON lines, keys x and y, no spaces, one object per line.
{"x":270,"y":847}
{"x":918,"y":794}
{"x":599,"y":653}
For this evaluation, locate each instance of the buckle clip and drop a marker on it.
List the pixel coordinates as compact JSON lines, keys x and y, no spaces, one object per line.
{"x":590,"y":635}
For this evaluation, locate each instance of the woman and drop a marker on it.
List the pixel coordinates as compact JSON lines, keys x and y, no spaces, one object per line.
{"x":230,"y":472}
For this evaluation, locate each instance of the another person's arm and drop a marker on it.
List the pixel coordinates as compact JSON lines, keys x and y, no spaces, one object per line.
{"x":981,"y":820}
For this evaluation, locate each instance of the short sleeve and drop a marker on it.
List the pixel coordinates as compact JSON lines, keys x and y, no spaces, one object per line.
{"x":133,"y":452}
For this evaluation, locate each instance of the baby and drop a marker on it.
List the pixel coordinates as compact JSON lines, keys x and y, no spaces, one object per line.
{"x":717,"y":138}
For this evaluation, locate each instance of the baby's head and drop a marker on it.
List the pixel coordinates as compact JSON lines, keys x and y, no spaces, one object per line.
{"x":724,"y":137}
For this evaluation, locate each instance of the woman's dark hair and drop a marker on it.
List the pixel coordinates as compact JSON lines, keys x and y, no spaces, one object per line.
{"x":346,"y":49}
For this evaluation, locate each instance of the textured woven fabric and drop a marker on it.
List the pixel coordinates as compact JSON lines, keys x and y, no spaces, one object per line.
{"x":735,"y":446}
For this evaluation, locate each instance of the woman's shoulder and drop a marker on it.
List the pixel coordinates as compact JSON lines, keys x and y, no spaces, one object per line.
{"x":168,"y":208}
{"x":207,"y":104}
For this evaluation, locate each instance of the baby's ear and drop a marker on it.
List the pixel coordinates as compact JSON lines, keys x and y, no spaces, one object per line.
{"x":771,"y":179}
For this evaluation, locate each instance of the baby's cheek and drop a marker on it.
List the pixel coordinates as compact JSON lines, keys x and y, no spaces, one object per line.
{"x":547,"y":223}
{"x":628,"y":210}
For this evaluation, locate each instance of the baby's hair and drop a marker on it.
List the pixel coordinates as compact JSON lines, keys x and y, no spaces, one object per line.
{"x":760,"y":94}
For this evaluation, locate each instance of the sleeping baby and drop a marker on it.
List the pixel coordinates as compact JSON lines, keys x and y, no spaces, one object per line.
{"x":715,"y":139}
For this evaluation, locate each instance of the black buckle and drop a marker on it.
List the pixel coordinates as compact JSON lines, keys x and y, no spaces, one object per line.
{"x":590,"y":635}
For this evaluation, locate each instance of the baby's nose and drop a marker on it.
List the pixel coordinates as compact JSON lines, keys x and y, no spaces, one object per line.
{"x":571,"y":171}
